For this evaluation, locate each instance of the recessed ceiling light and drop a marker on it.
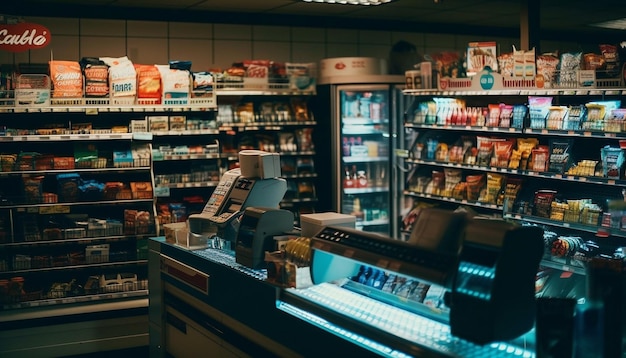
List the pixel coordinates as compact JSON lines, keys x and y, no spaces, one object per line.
{"x":619,"y":24}
{"x":352,"y":2}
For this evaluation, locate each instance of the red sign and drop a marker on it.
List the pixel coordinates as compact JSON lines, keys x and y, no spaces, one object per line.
{"x":23,"y":36}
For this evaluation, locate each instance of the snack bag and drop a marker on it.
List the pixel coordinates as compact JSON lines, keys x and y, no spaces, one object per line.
{"x":176,"y":83}
{"x":67,"y":79}
{"x":96,"y":74}
{"x":122,"y":76}
{"x":148,"y":82}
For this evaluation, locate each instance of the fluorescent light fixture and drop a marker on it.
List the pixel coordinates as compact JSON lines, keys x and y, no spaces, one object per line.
{"x":352,"y":2}
{"x":619,"y":24}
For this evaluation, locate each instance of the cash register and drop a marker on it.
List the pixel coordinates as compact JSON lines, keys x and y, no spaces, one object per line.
{"x":256,"y":183}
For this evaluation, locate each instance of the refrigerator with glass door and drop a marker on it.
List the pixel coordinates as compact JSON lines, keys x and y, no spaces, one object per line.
{"x":362,"y":115}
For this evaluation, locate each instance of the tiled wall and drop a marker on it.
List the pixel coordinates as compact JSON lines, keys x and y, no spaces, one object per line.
{"x":219,"y":45}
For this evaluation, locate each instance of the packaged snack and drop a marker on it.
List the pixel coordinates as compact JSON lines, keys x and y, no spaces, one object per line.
{"x":485,"y":150}
{"x":452,"y":178}
{"x":67,"y":79}
{"x":506,"y":114}
{"x":542,"y":202}
{"x":617,"y":120}
{"x":538,"y":108}
{"x":502,"y":152}
{"x":556,"y":117}
{"x":529,"y":63}
{"x":68,"y":184}
{"x":300,"y":109}
{"x":481,"y":55}
{"x":180,"y":65}
{"x":611,"y":59}
{"x":475,"y":184}
{"x":202,"y":84}
{"x":301,"y":75}
{"x":437,"y":183}
{"x":575,"y":114}
{"x":244,"y":112}
{"x":175,"y":82}
{"x":96,"y":74}
{"x":560,"y":150}
{"x":494,"y":115}
{"x":547,"y":66}
{"x":511,"y":188}
{"x":33,"y":188}
{"x":595,"y":116}
{"x":460,"y":191}
{"x":148,"y":82}
{"x":519,"y":115}
{"x":568,"y":69}
{"x":612,"y":162}
{"x":539,"y":158}
{"x":506,"y":64}
{"x":448,"y":64}
{"x":122,"y":76}
{"x":593,"y":61}
{"x":494,"y":185}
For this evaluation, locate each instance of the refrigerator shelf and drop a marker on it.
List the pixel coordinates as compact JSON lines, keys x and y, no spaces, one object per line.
{"x":364,"y":159}
{"x":353,"y":191}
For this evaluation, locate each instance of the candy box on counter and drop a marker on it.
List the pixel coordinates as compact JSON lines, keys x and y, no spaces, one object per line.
{"x":285,"y":273}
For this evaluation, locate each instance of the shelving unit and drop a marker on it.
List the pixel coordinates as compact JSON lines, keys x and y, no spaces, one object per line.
{"x":76,"y":237}
{"x":277,"y":119}
{"x":65,"y":230}
{"x":605,"y":234}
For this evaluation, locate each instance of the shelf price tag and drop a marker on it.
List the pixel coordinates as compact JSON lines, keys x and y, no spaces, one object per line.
{"x":142,"y":135}
{"x":162,"y":191}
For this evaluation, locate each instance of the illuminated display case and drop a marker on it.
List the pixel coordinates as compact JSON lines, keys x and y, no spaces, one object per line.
{"x":465,"y":289}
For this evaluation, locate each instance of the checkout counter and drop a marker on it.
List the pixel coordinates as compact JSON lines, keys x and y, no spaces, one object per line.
{"x":460,"y":287}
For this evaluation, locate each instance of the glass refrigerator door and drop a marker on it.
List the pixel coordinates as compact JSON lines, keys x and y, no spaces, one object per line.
{"x":364,"y":113}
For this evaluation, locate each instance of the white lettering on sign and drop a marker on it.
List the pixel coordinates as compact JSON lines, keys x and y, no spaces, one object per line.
{"x":23,"y":36}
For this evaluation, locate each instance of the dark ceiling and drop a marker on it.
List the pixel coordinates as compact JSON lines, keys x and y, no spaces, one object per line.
{"x":557,"y":20}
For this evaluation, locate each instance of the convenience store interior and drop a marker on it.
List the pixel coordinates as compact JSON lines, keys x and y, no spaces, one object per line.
{"x":213,"y":34}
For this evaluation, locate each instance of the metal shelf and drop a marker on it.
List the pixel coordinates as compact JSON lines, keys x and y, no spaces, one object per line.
{"x":453,"y":200}
{"x":73,"y":267}
{"x":53,"y":206}
{"x":545,"y":175}
{"x":521,"y":92}
{"x":364,"y":159}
